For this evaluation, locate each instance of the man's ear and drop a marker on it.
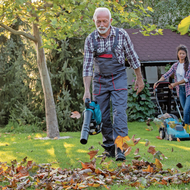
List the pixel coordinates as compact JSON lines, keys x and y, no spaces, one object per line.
{"x":111,"y":19}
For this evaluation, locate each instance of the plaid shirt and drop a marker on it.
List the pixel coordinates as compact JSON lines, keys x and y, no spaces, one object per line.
{"x":187,"y":76}
{"x":123,"y":50}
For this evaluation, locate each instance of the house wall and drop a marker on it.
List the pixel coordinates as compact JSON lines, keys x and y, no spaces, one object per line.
{"x":152,"y":74}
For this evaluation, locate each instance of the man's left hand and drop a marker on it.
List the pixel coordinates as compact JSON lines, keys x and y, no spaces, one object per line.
{"x":139,"y":85}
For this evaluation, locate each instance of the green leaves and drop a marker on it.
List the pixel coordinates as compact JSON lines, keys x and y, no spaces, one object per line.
{"x":140,"y":107}
{"x":183,"y":26}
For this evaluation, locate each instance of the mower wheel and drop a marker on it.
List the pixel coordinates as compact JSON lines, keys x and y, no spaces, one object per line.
{"x":170,"y":137}
{"x":162,"y":135}
{"x":166,"y":136}
{"x":174,"y":117}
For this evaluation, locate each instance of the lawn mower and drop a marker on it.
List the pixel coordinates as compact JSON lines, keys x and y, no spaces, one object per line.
{"x":92,"y":120}
{"x":169,"y":126}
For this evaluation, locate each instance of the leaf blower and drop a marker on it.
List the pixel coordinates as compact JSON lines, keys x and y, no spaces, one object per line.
{"x":92,"y":118}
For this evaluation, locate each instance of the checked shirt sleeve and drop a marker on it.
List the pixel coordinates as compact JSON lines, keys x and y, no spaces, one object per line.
{"x":88,"y":57}
{"x":170,"y":72}
{"x":131,"y":54}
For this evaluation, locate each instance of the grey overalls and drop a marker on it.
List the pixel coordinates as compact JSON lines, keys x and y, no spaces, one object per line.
{"x":110,"y":81}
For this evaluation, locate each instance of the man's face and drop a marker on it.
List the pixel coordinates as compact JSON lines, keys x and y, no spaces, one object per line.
{"x":102,"y":22}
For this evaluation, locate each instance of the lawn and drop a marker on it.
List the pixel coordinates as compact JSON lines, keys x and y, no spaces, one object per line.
{"x":67,"y":153}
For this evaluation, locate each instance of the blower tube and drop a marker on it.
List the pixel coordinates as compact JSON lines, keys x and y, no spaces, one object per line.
{"x":86,"y":126}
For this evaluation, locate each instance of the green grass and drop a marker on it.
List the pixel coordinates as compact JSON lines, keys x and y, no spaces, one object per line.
{"x":66,"y":153}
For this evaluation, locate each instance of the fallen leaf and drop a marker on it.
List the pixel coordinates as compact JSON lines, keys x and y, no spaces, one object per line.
{"x":147,"y":142}
{"x":151,"y":150}
{"x":158,"y":137}
{"x":75,"y":114}
{"x":127,"y":152}
{"x":92,"y":153}
{"x":179,"y":165}
{"x":119,"y":141}
{"x":136,"y":151}
{"x":158,"y":164}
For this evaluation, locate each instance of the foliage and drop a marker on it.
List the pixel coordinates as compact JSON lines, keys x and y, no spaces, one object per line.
{"x":20,"y":83}
{"x":65,"y":69}
{"x":167,"y":14}
{"x":14,"y":127}
{"x":183,"y":26}
{"x":140,"y":107}
{"x":66,"y":19}
{"x":59,"y":22}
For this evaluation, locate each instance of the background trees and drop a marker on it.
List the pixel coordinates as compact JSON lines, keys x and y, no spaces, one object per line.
{"x":58,"y":29}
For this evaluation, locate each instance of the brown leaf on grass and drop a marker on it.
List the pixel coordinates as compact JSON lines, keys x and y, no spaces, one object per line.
{"x":103,"y":159}
{"x":127,"y":152}
{"x":158,"y":164}
{"x":92,"y":153}
{"x":29,"y":163}
{"x":158,"y":137}
{"x":151,"y":150}
{"x":119,"y":141}
{"x":136,"y":151}
{"x":149,"y":169}
{"x":179,"y":165}
{"x":125,"y":146}
{"x":147,"y":143}
{"x":90,"y":148}
{"x":88,"y":165}
{"x":75,"y":114}
{"x":178,"y":139}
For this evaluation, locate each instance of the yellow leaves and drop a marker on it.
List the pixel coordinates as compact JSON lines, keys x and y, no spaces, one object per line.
{"x":125,"y":142}
{"x":119,"y":141}
{"x":150,"y":9}
{"x":158,"y":164}
{"x":183,"y":26}
{"x":149,"y":169}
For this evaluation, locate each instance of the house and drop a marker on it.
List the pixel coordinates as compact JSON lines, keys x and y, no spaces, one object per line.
{"x":155,"y":52}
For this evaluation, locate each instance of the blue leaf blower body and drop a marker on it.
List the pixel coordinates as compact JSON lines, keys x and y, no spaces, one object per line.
{"x":92,"y":118}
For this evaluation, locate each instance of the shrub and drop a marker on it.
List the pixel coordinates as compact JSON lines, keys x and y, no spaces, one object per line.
{"x":140,"y":107}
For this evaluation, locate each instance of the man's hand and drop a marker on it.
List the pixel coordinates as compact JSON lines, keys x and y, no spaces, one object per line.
{"x":139,"y":85}
{"x":86,"y":95}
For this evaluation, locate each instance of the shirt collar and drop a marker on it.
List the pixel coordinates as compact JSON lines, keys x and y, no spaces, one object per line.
{"x":112,"y":33}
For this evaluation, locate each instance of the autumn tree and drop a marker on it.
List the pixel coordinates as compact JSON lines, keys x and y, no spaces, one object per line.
{"x":54,"y":20}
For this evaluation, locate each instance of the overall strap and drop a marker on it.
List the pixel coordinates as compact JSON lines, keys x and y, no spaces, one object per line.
{"x":115,"y":40}
{"x":95,"y":43}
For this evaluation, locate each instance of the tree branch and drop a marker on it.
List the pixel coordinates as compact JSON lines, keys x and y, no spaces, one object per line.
{"x":29,"y":36}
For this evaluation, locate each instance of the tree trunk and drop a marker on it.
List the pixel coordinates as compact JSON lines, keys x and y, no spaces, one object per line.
{"x":51,"y":116}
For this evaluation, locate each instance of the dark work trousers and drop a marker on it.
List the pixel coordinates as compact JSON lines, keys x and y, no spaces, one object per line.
{"x":110,"y":83}
{"x":112,"y":87}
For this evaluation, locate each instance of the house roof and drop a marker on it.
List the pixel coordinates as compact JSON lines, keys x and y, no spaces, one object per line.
{"x":159,"y":48}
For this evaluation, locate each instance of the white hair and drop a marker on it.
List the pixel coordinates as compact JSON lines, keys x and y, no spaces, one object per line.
{"x":101,"y":9}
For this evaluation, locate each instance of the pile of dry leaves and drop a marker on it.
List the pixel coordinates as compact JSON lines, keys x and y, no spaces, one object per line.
{"x":139,"y":173}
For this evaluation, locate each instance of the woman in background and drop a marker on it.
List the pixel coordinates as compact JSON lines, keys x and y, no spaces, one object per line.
{"x":181,"y":71}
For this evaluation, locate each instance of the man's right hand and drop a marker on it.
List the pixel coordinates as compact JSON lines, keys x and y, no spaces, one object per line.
{"x":86,"y":95}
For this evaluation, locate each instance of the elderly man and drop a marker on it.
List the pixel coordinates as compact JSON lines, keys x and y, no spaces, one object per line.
{"x":107,"y":48}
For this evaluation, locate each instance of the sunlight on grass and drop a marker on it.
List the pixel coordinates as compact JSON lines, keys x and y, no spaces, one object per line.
{"x":182,"y":147}
{"x":4,"y":144}
{"x":6,"y":156}
{"x":66,"y":145}
{"x":38,"y":135}
{"x":51,"y":151}
{"x":82,"y":151}
{"x":69,"y":151}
